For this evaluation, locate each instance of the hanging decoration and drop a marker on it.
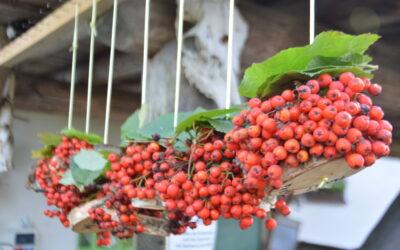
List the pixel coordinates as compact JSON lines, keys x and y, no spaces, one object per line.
{"x":310,"y":121}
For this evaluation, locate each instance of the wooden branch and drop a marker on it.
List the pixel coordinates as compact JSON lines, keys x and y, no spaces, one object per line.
{"x":48,"y":34}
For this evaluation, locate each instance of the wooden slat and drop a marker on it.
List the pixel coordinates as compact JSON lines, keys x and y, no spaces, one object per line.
{"x":46,"y":35}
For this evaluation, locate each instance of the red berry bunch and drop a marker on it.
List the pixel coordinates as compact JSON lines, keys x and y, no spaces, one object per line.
{"x":48,"y":174}
{"x":325,"y":117}
{"x":227,"y":175}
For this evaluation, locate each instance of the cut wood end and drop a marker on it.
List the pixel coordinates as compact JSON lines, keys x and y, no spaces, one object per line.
{"x":82,"y":223}
{"x":309,"y":177}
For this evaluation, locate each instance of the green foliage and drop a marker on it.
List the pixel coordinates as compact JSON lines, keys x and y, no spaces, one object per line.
{"x":86,"y":166}
{"x":44,"y":152}
{"x":163,"y":126}
{"x":221,"y":125}
{"x":203,"y":117}
{"x":332,"y":52}
{"x":130,"y":128}
{"x":90,"y":138}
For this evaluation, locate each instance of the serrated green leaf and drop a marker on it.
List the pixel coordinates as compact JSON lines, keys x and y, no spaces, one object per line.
{"x":86,"y":166}
{"x":67,"y":179}
{"x":162,"y":126}
{"x":285,"y":81}
{"x":49,"y":139}
{"x":90,"y":138}
{"x":260,"y":78}
{"x":206,"y":116}
{"x":221,"y":125}
{"x":352,"y":59}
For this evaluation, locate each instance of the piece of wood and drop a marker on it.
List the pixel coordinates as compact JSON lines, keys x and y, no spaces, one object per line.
{"x":44,"y":95}
{"x":308,"y":177}
{"x":50,"y":33}
{"x":81,"y":222}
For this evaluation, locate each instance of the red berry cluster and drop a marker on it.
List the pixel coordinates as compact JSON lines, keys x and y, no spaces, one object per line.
{"x":205,"y":182}
{"x":48,"y":174}
{"x":326,"y":117}
{"x":227,"y":175}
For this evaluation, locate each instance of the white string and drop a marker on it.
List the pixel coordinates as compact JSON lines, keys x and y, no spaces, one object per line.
{"x":73,"y":67}
{"x":178,"y":61}
{"x":110,"y":72}
{"x":230,"y":55}
{"x":91,"y":59}
{"x":145,"y":51}
{"x":312,"y":21}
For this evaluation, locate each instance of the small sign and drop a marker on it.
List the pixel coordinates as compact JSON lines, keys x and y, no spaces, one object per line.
{"x":201,"y":238}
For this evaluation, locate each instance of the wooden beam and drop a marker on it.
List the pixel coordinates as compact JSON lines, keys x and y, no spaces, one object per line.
{"x":51,"y":31}
{"x":44,"y":95}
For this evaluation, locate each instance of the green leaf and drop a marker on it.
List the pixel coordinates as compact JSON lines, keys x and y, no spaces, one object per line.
{"x":205,"y":116}
{"x":330,"y":49}
{"x":130,"y":128}
{"x":90,"y":138}
{"x":221,"y":125}
{"x":163,"y":125}
{"x":86,"y":166}
{"x":67,"y":178}
{"x":281,"y":82}
{"x":180,"y":141}
{"x":352,"y":59}
{"x":49,"y":139}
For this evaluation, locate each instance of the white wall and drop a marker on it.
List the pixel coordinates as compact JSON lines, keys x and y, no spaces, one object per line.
{"x":16,"y":202}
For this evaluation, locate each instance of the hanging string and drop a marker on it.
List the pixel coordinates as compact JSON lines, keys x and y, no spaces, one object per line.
{"x":312,"y":21}
{"x":91,"y":59}
{"x":73,"y":67}
{"x":110,"y":72}
{"x":230,"y":54}
{"x":178,"y":61}
{"x":145,"y":50}
{"x":324,"y":179}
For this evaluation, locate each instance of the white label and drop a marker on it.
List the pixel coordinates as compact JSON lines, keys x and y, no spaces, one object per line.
{"x":201,"y":238}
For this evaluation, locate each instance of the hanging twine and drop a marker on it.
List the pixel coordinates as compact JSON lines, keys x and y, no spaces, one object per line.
{"x":145,"y":51}
{"x":178,"y":61}
{"x":110,"y":73}
{"x":73,"y":68}
{"x":230,"y":54}
{"x":142,"y":117}
{"x":312,"y":21}
{"x":91,"y":59}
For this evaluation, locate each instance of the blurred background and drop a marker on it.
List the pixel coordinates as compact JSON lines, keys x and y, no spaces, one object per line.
{"x":362,"y":212}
